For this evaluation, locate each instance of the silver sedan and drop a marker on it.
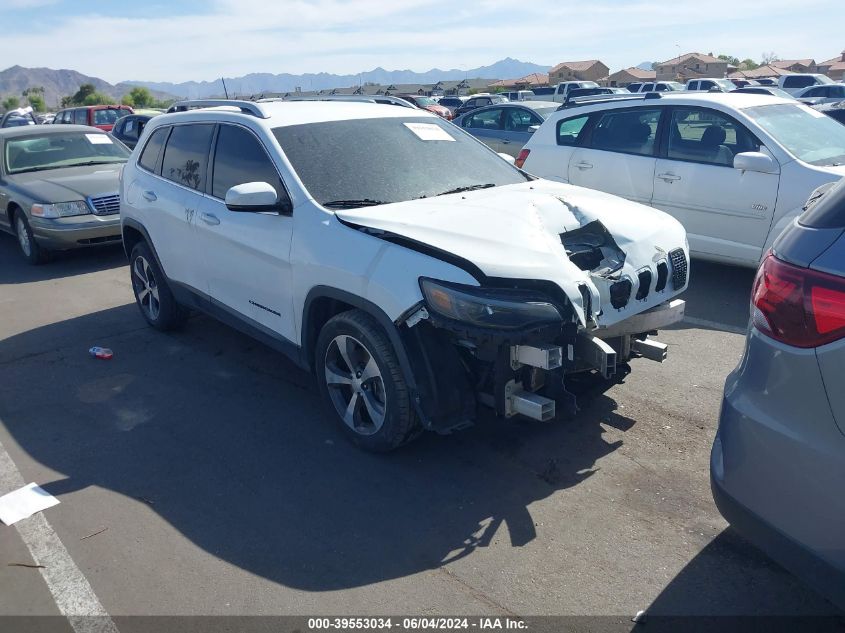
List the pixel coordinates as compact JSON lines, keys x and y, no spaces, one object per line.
{"x":506,"y":127}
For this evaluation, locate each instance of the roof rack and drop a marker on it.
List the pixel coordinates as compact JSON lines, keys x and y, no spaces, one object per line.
{"x":604,"y":98}
{"x":247,"y":107}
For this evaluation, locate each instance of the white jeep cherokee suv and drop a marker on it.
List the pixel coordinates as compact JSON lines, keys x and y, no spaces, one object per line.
{"x":413,"y":270}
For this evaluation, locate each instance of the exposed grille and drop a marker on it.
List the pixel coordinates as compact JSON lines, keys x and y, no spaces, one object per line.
{"x":106,"y":205}
{"x":644,"y":277}
{"x":662,"y":276}
{"x":679,"y":267}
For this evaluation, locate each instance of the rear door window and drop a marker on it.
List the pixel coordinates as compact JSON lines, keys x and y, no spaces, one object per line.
{"x":569,"y":130}
{"x":186,"y":155}
{"x":486,"y":120}
{"x":627,"y":131}
{"x":240,"y":158}
{"x":519,"y":119}
{"x":80,"y":116}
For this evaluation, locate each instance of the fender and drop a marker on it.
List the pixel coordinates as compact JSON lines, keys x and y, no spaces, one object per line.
{"x":778,"y":227}
{"x":134,"y":224}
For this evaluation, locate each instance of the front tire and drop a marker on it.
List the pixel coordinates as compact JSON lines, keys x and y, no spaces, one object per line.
{"x":32,"y":252}
{"x":360,"y":377}
{"x":152,"y":292}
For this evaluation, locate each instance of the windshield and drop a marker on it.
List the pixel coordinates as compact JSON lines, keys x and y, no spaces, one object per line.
{"x":808,"y":135}
{"x":424,"y":101}
{"x":55,"y":151}
{"x":725,"y":84}
{"x":108,"y":117}
{"x":355,"y":163}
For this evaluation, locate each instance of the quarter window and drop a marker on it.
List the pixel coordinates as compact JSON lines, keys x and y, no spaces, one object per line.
{"x":569,"y":130}
{"x":706,"y":136}
{"x":627,"y":131}
{"x":149,"y":157}
{"x":186,"y":155}
{"x":240,"y":158}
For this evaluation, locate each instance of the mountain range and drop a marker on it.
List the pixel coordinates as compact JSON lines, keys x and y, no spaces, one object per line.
{"x":257,"y":83}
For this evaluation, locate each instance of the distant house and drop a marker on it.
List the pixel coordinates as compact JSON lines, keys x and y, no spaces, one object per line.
{"x":622,"y":78}
{"x":768,"y":71}
{"x":534,"y":80}
{"x":834,"y":68}
{"x":589,"y":70}
{"x":797,"y":65}
{"x":691,"y":66}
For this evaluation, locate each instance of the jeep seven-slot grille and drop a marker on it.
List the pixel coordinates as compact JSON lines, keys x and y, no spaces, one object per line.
{"x":679,"y":268}
{"x":106,"y":205}
{"x":662,"y":276}
{"x":644,"y":277}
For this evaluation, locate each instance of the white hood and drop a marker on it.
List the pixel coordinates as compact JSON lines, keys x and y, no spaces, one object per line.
{"x":514,"y":232}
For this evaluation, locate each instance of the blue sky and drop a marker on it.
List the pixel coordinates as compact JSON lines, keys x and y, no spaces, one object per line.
{"x":187,"y":39}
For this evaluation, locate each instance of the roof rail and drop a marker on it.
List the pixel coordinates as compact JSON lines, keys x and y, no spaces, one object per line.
{"x":247,"y":107}
{"x":593,"y":99}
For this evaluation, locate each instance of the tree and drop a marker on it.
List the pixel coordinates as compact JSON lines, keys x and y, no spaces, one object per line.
{"x":85,"y":90}
{"x":768,"y":58}
{"x":97,"y":98}
{"x":748,"y":64}
{"x":733,"y":61}
{"x":141,"y":97}
{"x":11,"y":103}
{"x":37,"y":103}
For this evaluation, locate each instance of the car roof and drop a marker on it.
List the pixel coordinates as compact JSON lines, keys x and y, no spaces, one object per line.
{"x":47,"y":130}
{"x":736,"y":101}
{"x":286,"y":113}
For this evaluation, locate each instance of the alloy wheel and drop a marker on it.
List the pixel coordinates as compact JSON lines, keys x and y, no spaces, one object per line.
{"x":146,"y":287}
{"x":355,"y":385}
{"x":23,"y":237}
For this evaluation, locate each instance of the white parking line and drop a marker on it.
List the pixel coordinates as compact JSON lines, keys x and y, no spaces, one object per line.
{"x":71,"y":591}
{"x":715,"y":325}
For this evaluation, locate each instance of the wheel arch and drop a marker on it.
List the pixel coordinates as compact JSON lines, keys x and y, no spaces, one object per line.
{"x":134,"y":232}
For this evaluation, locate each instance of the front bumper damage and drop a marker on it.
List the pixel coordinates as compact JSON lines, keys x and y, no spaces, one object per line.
{"x":528,"y":373}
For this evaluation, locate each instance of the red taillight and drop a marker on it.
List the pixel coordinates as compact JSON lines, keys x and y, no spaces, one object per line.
{"x":520,"y":160}
{"x":798,"y":306}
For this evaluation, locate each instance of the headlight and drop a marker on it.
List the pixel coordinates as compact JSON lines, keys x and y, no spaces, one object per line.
{"x":484,"y":307}
{"x":60,"y":209}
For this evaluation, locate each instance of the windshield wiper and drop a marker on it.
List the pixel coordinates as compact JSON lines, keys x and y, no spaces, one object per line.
{"x":95,"y":162}
{"x":486,"y":185}
{"x":353,"y":203}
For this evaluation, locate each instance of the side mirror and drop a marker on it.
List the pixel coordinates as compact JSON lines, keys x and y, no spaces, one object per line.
{"x":755,"y":161}
{"x":255,"y":196}
{"x":533,"y":128}
{"x":507,"y":157}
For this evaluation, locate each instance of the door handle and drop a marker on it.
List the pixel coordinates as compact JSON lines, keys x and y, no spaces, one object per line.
{"x":506,"y":142}
{"x":150,"y":196}
{"x":210,"y":218}
{"x":584,"y":165}
{"x":668,"y":177}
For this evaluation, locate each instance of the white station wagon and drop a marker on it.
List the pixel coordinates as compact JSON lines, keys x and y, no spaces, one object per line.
{"x":415,"y":293}
{"x":735,"y":169}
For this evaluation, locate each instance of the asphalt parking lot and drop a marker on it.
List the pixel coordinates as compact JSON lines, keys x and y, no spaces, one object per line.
{"x":199,"y":473}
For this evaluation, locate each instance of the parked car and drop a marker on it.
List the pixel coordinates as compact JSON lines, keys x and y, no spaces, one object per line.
{"x":796,"y":82}
{"x":453,"y":103}
{"x":382,"y":99}
{"x":743,"y":83}
{"x":18,"y":117}
{"x":506,"y":127}
{"x":479,"y":101}
{"x":827,"y":93}
{"x":563,"y":88}
{"x":777,"y":468}
{"x":59,"y":188}
{"x":519,"y":95}
{"x":659,"y":86}
{"x":711,"y":84}
{"x":45,"y":118}
{"x":128,"y":129}
{"x":587,"y":92}
{"x":427,"y":103}
{"x":835,"y":111}
{"x":735,"y":169}
{"x":542,"y":93}
{"x":634,"y":86}
{"x":764,"y":90}
{"x":414,"y":294}
{"x":766,"y":81}
{"x":102,"y":117}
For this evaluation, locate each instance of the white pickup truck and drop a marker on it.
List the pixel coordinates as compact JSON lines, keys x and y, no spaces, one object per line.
{"x":563,"y":88}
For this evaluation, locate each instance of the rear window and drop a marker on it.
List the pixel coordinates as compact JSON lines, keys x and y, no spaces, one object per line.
{"x":186,"y":155}
{"x":798,"y":82}
{"x":109,"y":116}
{"x":826,"y":207}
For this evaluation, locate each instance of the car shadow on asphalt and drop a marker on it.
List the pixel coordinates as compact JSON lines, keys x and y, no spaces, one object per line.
{"x":15,"y":270}
{"x":229,"y":443}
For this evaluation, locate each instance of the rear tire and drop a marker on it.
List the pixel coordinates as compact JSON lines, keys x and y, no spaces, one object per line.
{"x":152,"y":292}
{"x":362,"y":382}
{"x":32,"y":252}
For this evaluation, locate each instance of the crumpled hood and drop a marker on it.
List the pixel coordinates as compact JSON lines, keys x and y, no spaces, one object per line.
{"x":514,"y":232}
{"x":72,"y":183}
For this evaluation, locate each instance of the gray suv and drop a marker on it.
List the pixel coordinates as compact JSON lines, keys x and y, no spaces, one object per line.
{"x":778,"y":462}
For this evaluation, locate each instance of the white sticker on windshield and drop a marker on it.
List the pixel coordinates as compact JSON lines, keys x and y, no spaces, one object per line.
{"x":98,"y":139}
{"x":429,"y":132}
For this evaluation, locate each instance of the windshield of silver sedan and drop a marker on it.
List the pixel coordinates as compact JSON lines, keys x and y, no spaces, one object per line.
{"x":57,"y":151}
{"x":370,"y":162}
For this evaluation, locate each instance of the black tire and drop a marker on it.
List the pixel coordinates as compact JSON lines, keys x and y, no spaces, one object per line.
{"x":30,"y":249}
{"x":386,"y":394}
{"x":152,"y":292}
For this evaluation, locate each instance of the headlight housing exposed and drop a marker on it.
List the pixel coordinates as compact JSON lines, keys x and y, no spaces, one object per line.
{"x":486,"y":307}
{"x":60,"y":209}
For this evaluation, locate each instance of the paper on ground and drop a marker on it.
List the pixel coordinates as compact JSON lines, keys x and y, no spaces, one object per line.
{"x":25,"y":502}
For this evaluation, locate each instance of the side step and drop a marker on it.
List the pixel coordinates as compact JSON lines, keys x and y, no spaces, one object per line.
{"x":528,"y":404}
